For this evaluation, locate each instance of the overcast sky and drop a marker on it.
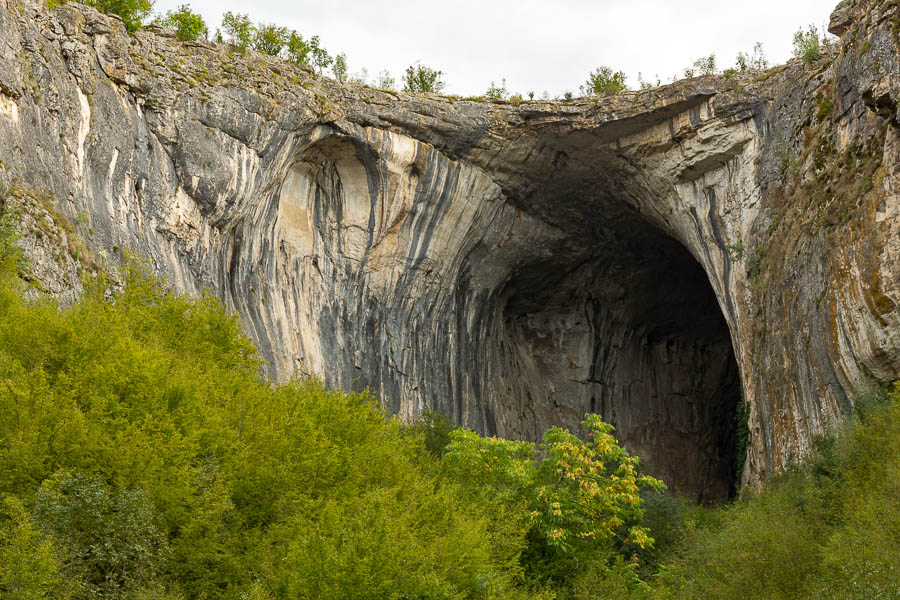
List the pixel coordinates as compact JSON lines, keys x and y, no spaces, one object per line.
{"x":536,"y":45}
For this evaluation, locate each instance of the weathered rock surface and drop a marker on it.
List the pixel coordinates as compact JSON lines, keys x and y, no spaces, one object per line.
{"x":513,"y":266}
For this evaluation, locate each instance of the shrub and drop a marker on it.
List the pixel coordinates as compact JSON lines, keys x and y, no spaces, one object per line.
{"x":239,"y":29}
{"x":807,"y":44}
{"x":319,"y":56}
{"x":188,"y":25}
{"x":161,"y":464}
{"x":496,"y":92}
{"x":340,"y":67}
{"x":30,"y":566}
{"x":110,"y":536}
{"x":419,"y":78}
{"x":132,"y":12}
{"x":385,"y":80}
{"x":705,"y":65}
{"x":754,"y":61}
{"x":582,"y":499}
{"x":827,"y":529}
{"x":270,"y":39}
{"x":603,"y":81}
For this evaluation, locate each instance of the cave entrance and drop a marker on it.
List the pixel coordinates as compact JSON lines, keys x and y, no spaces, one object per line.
{"x":623,"y":322}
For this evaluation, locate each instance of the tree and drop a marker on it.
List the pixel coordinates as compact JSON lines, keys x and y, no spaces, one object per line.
{"x":498,"y":92}
{"x":30,"y":566}
{"x":270,"y":39}
{"x":188,"y":25}
{"x":582,"y":499}
{"x":132,"y":12}
{"x":705,"y":65}
{"x":807,"y":44}
{"x":755,"y":61}
{"x":340,"y":67}
{"x":319,"y":56}
{"x":109,"y":534}
{"x":297,"y":49}
{"x":361,"y":78}
{"x":419,"y":78}
{"x":385,"y":80}
{"x":603,"y":81}
{"x":239,"y":29}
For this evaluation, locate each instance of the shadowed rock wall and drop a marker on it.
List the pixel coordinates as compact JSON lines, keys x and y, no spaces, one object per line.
{"x":513,"y":266}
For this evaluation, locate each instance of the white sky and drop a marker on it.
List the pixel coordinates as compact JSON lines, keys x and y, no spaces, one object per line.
{"x":537,"y":45}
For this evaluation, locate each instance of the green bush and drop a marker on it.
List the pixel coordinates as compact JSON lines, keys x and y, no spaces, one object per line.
{"x":603,"y":81}
{"x":807,"y":44}
{"x":188,"y":25}
{"x":340,"y":67}
{"x":705,"y":65}
{"x":385,"y":80}
{"x":756,"y":60}
{"x":239,"y":29}
{"x":30,"y":565}
{"x":270,"y":38}
{"x":581,"y":501}
{"x":110,"y":536}
{"x":419,"y":78}
{"x":497,"y":92}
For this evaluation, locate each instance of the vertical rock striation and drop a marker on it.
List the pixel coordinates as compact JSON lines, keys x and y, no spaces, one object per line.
{"x":513,"y":266}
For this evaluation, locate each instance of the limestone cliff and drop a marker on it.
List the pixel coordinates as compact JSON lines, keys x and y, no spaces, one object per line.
{"x":513,"y":266}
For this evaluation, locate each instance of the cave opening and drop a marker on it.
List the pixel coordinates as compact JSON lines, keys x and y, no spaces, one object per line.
{"x":622,"y":321}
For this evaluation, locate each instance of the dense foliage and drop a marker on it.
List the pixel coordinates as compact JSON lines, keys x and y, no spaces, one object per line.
{"x":188,"y":25}
{"x":421,"y":78}
{"x":603,"y":81}
{"x":581,"y":501}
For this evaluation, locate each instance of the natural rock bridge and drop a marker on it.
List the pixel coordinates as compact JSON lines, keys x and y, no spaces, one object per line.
{"x":511,"y":266}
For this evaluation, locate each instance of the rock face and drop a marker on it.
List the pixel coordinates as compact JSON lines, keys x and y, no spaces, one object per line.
{"x":646,"y":256}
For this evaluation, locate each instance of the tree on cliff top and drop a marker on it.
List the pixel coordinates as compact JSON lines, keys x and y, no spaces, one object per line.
{"x":603,"y":81}
{"x":188,"y":25}
{"x":419,"y":78}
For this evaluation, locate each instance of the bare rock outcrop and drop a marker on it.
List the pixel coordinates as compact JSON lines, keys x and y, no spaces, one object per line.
{"x":514,"y":266}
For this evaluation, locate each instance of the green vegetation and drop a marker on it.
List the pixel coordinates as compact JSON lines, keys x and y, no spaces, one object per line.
{"x":419,"y":78}
{"x":603,"y":81}
{"x":270,"y":39}
{"x":706,"y":65}
{"x":497,"y":92}
{"x":188,"y":25}
{"x":153,"y":459}
{"x":385,"y":80}
{"x":340,"y":67}
{"x":754,"y":61}
{"x":239,"y":29}
{"x":581,"y":501}
{"x":828,"y":529}
{"x":807,"y":44}
{"x":273,"y":40}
